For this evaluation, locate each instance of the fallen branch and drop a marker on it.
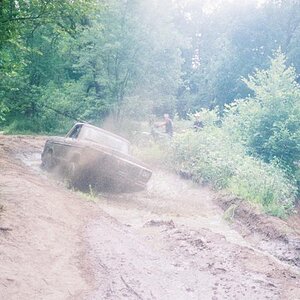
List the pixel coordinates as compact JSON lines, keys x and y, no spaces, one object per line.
{"x":131,"y":289}
{"x":5,"y":229}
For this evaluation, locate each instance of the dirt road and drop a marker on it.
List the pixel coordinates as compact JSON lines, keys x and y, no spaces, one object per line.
{"x":169,"y":242}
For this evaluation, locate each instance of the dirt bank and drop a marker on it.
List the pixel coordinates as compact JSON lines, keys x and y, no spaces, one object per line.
{"x":169,"y":242}
{"x":40,"y":253}
{"x":278,"y":237}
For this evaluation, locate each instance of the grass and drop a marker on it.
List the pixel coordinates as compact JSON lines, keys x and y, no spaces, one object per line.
{"x":211,"y":158}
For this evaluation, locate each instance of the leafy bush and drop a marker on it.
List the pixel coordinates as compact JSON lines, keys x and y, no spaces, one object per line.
{"x":3,"y":111}
{"x":268,"y":124}
{"x":263,"y":184}
{"x":204,"y":156}
{"x":254,"y":152}
{"x":153,"y":154}
{"x":210,"y":156}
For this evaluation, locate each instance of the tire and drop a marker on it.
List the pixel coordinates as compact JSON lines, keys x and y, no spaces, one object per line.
{"x":76,"y":176}
{"x":48,"y":161}
{"x":72,"y":169}
{"x":72,"y":173}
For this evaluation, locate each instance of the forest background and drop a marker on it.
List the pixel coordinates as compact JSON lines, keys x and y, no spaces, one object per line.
{"x":235,"y":62}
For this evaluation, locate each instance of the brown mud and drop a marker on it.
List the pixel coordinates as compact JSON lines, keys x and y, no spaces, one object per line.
{"x":278,"y":237}
{"x":168,"y":242}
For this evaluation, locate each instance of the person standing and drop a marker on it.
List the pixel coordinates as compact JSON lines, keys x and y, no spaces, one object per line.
{"x":168,"y":123}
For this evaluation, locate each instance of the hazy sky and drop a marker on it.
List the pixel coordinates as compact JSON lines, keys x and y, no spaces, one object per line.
{"x":211,"y":5}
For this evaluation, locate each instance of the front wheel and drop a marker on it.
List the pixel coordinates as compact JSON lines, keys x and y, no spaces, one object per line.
{"x":48,"y":161}
{"x":77,"y":176}
{"x":72,"y":173}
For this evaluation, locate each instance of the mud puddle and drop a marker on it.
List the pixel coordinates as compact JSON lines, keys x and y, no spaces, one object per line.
{"x":171,"y":242}
{"x":186,"y":204}
{"x":137,"y":209}
{"x":168,"y":198}
{"x":31,"y":160}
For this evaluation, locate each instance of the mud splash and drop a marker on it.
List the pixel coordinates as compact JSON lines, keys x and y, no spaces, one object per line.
{"x":169,"y":197}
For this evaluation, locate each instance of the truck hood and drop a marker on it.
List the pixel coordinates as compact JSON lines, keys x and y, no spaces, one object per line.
{"x":99,"y":147}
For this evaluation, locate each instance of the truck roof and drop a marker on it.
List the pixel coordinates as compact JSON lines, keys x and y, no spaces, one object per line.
{"x":103,"y":131}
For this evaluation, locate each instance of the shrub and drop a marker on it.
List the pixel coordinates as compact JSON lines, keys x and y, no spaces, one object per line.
{"x":211,"y":156}
{"x":268,"y":124}
{"x":263,"y":184}
{"x":203,"y":155}
{"x":151,"y":153}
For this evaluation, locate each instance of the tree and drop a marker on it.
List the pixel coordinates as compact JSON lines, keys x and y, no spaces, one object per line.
{"x":228,"y":41}
{"x":125,"y":53}
{"x":29,"y":35}
{"x":268,"y":123}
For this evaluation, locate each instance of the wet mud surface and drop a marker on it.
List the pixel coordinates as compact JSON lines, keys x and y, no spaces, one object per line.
{"x":168,"y":242}
{"x":278,"y":237}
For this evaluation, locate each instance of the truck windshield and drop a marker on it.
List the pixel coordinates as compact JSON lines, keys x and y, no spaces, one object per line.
{"x":105,"y":139}
{"x":73,"y":134}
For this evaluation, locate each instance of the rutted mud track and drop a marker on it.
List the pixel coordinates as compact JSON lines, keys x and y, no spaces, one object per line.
{"x":169,"y":242}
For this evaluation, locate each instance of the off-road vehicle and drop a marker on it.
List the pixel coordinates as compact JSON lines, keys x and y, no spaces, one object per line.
{"x":93,"y":157}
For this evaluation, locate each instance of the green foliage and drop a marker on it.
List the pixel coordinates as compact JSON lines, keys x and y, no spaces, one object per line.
{"x":263,"y":184}
{"x":268,"y":124}
{"x":228,"y":40}
{"x":125,"y":56}
{"x":210,"y":157}
{"x":203,"y":155}
{"x":152,"y":153}
{"x":3,"y":111}
{"x":207,"y":117}
{"x":255,"y":151}
{"x":163,"y":55}
{"x":86,"y":59}
{"x":30,"y":36}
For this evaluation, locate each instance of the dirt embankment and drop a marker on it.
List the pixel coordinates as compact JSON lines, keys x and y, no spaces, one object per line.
{"x":280,"y":238}
{"x":169,"y":242}
{"x":40,"y":251}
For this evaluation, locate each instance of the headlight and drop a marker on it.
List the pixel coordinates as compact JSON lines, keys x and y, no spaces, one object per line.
{"x":146,"y":174}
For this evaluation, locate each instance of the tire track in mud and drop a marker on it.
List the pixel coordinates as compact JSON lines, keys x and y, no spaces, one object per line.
{"x":187,"y":266}
{"x":196,"y":263}
{"x":169,"y":242}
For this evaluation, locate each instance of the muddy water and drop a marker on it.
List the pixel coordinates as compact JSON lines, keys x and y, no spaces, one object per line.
{"x":171,"y":242}
{"x":168,"y":197}
{"x":32,"y":160}
{"x":174,"y":244}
